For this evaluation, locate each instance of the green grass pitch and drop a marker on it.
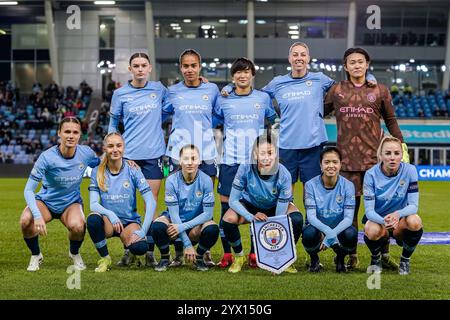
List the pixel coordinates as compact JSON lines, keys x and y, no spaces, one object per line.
{"x":429,"y":278}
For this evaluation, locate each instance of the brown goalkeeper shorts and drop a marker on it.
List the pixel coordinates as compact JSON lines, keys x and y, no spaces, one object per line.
{"x":357,"y":178}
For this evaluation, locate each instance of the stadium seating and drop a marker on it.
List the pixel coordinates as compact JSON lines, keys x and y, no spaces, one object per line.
{"x":28,"y":125}
{"x":433,"y":105}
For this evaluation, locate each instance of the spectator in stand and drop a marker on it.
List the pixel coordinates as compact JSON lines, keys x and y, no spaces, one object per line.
{"x":9,"y":158}
{"x":394,"y":90}
{"x":37,"y":88}
{"x":2,"y":159}
{"x":109,"y":91}
{"x":78,"y":105}
{"x":408,"y":90}
{"x":86,"y":92}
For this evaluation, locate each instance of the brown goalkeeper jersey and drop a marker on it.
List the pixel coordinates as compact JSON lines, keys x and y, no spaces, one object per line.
{"x":359,"y":111}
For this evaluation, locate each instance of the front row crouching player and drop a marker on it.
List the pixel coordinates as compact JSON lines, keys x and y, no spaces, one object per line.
{"x":61,"y":170}
{"x":112,"y":195}
{"x":330,"y":204}
{"x":391,"y":201}
{"x":190,"y":200}
{"x":260,"y":189}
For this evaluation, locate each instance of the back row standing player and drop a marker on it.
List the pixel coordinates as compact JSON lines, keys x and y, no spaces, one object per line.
{"x":243,"y":113}
{"x":359,"y":107}
{"x":300,"y":96}
{"x":139,"y":104}
{"x":192,"y":102}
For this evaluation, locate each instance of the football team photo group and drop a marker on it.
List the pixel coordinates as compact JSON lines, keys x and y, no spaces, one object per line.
{"x":236,"y":155}
{"x":273,"y":143}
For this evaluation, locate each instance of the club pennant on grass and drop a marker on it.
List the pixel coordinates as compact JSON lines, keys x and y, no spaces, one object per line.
{"x":274,"y":243}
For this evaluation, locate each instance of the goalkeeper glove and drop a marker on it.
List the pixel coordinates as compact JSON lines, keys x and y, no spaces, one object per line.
{"x":405,"y":158}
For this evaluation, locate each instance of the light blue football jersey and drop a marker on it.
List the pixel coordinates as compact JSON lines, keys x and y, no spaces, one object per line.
{"x":301,"y":107}
{"x":243,"y":117}
{"x":190,"y":198}
{"x":330,"y":204}
{"x":141,"y":111}
{"x":262,"y":193}
{"x":61,"y":177}
{"x":192,"y":109}
{"x":120,"y":196}
{"x":386,"y":195}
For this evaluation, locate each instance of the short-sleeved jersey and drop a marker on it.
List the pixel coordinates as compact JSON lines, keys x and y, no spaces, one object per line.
{"x":390,"y":193}
{"x":301,"y":107}
{"x":359,"y":111}
{"x":141,"y":111}
{"x":243,"y":117}
{"x":190,"y":198}
{"x":329,"y":203}
{"x":263,"y":193}
{"x":61,"y":177}
{"x":120,"y":196}
{"x":192,"y":109}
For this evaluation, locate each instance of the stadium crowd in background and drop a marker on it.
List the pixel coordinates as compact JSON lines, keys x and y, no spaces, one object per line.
{"x":28,"y":123}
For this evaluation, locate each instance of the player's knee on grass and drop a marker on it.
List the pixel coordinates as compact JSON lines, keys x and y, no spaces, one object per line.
{"x":373,"y":231}
{"x":348,"y":238}
{"x":138,"y":248}
{"x":230,"y":217}
{"x":414,"y":222}
{"x":26,"y":219}
{"x":77,"y":227}
{"x":311,"y":239}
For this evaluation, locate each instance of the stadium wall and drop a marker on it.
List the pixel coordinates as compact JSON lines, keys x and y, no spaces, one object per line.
{"x":78,"y":50}
{"x":15,"y":170}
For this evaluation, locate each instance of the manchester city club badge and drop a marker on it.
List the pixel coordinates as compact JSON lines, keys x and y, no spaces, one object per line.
{"x":274,"y":244}
{"x":371,"y":97}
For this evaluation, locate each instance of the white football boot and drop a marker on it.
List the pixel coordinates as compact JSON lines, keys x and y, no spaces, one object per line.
{"x":77,"y":261}
{"x":35,"y":261}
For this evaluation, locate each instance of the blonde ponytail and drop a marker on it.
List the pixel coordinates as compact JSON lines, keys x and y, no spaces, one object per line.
{"x":101,"y":177}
